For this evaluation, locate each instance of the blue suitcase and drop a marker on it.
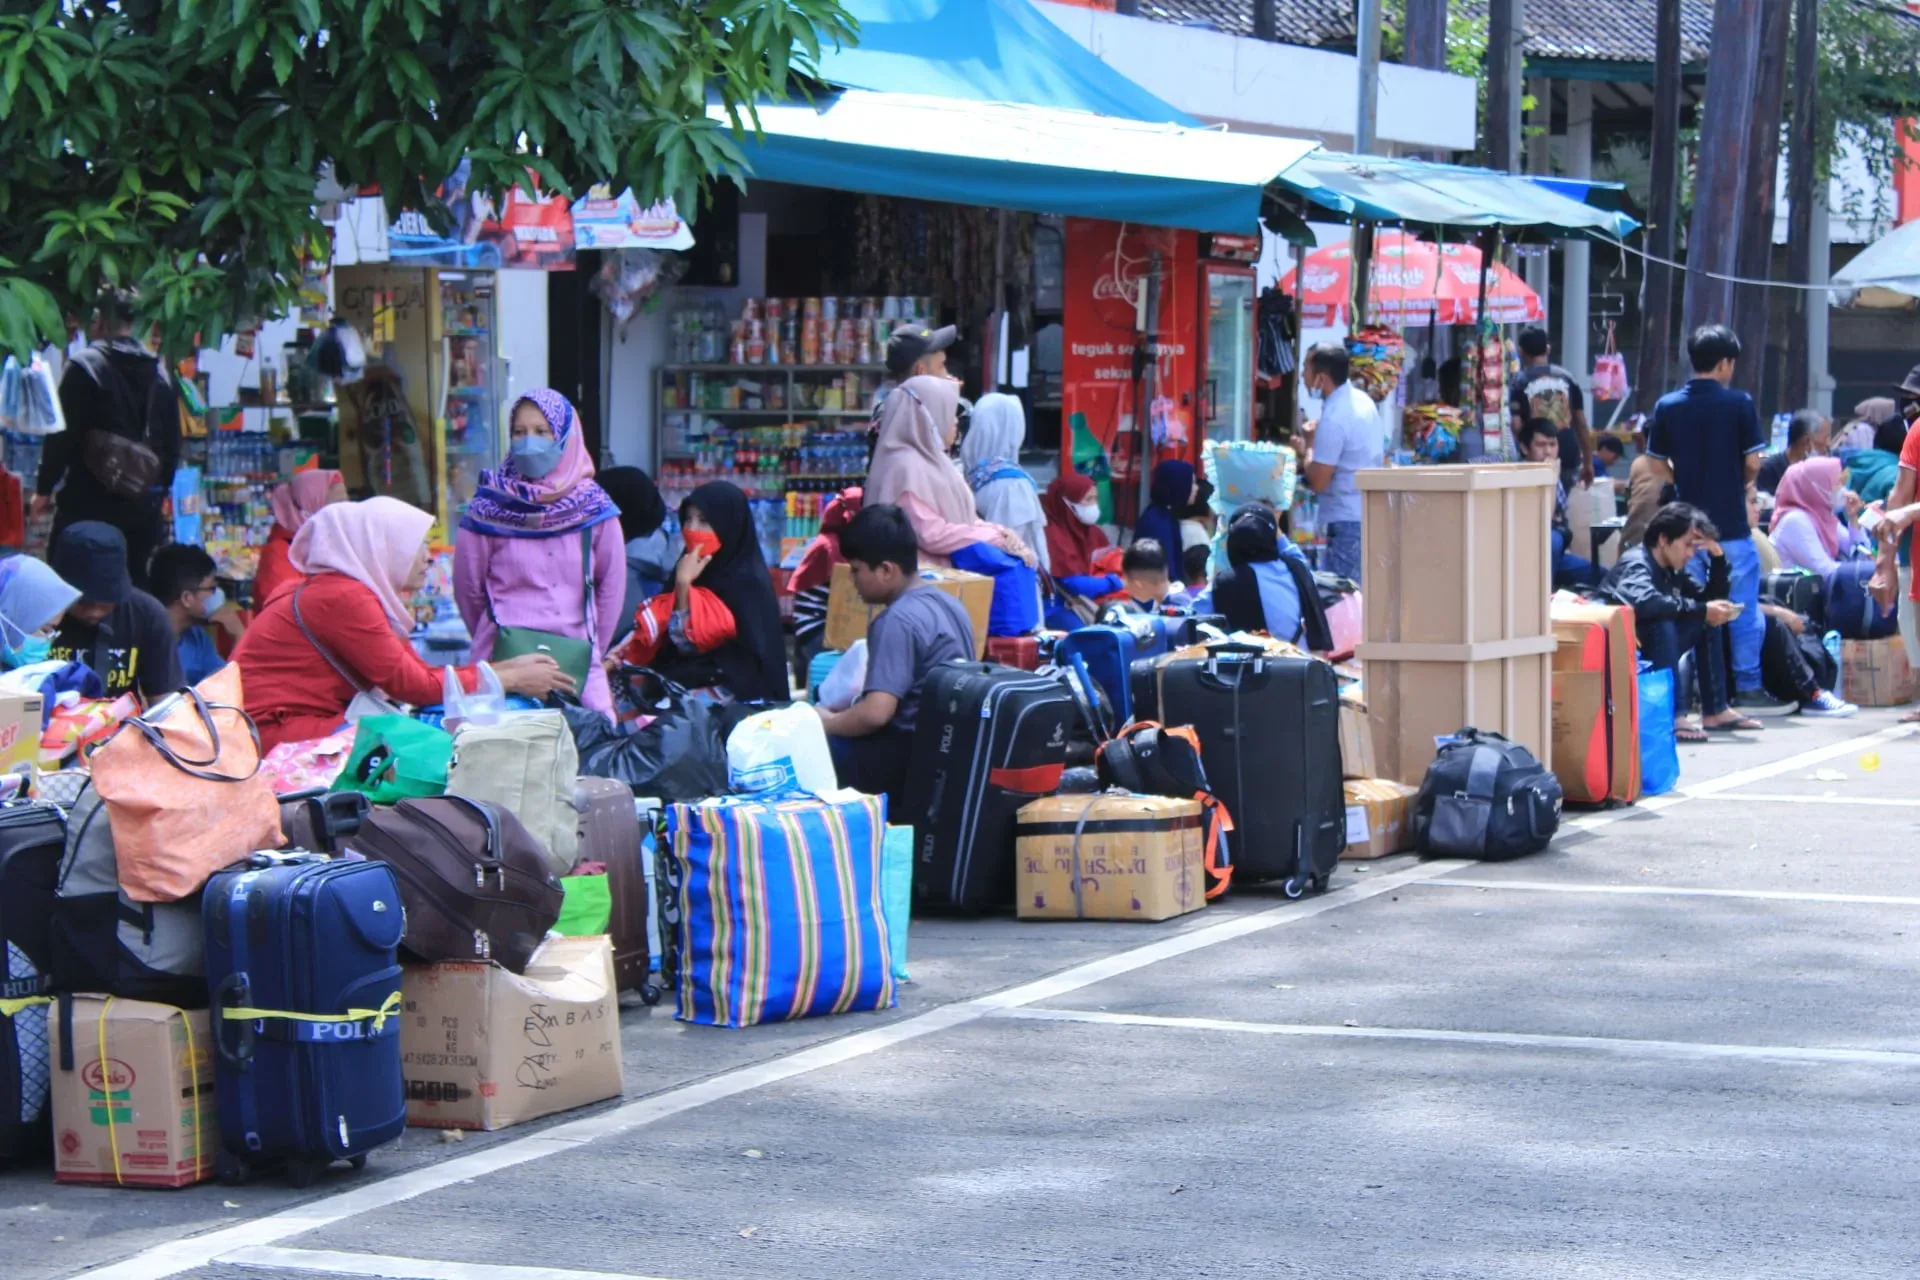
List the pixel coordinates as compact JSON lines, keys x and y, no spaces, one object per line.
{"x":1851,"y":611}
{"x":305,"y":987}
{"x":1108,"y":651}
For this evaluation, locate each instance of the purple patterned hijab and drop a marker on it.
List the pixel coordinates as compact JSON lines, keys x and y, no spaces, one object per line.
{"x":565,"y":500}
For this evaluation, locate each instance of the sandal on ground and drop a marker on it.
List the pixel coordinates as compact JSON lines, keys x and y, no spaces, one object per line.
{"x":1744,"y":723}
{"x":1912,"y":717}
{"x":1690,"y":733}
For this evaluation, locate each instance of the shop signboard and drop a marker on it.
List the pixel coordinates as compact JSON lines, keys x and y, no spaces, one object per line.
{"x":602,"y":220}
{"x":1128,"y":286}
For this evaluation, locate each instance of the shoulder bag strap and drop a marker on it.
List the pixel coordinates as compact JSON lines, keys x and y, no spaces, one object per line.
{"x":202,"y":769}
{"x":586,"y":591}
{"x":1481,"y":772}
{"x":323,"y":651}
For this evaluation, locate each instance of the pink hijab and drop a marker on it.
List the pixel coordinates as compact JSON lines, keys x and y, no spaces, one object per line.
{"x":295,"y":502}
{"x":373,"y":542}
{"x":911,"y":457}
{"x":1808,"y":487}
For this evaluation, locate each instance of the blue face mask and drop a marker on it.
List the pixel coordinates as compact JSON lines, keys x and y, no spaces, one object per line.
{"x":31,"y":649}
{"x":535,"y":456}
{"x":213,"y":603}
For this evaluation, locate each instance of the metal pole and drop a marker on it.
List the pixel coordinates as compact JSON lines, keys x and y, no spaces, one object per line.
{"x":1538,"y":153}
{"x":1576,"y":263}
{"x":1819,"y":381}
{"x":1367,"y":40}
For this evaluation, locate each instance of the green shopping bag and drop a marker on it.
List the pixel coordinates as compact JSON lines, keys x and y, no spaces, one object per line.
{"x":587,"y":908}
{"x":397,"y":758}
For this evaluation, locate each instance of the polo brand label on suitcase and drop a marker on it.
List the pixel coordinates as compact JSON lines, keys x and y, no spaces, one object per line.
{"x":989,"y":740}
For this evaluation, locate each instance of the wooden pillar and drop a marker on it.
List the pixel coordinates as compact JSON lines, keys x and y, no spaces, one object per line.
{"x":1263,"y":20}
{"x":1720,"y":172}
{"x":1426,"y":33}
{"x":1657,"y":345}
{"x":1753,"y":304}
{"x":1503,"y":86}
{"x":1796,"y":384}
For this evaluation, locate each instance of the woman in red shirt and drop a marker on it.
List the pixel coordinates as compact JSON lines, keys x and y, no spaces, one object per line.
{"x":293,"y":505}
{"x":342,"y":627}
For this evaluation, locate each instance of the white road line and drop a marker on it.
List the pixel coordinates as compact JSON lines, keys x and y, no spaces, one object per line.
{"x":1680,"y":891}
{"x":176,"y":1256}
{"x":1888,"y":802}
{"x":1710,"y":788}
{"x":334,"y":1263}
{"x":1682,"y":1049}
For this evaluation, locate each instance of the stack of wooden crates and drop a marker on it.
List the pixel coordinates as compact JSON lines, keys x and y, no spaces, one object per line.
{"x":1457,"y":581}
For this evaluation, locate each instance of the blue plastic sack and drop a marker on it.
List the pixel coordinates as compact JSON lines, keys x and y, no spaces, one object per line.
{"x":896,"y":893}
{"x":1659,"y":750}
{"x":1016,"y":588}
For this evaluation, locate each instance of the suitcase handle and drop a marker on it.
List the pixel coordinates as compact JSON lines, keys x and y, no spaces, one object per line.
{"x":234,"y":992}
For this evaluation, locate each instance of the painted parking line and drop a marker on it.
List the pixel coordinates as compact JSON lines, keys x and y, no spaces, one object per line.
{"x":331,"y":1262}
{"x":1868,"y":802}
{"x":176,"y":1256}
{"x":1711,"y":788}
{"x":1681,"y":891}
{"x":1675,"y":1049}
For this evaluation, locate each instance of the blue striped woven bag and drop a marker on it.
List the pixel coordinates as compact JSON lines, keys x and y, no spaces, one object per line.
{"x":781,"y":909}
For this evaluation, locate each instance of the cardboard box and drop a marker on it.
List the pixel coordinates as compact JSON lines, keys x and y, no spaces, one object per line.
{"x":1377,"y":811}
{"x":1111,"y":857}
{"x":1411,"y":705}
{"x":1876,"y":673}
{"x":848,"y":616}
{"x":149,"y":1097}
{"x":19,"y":729}
{"x":1596,"y":703}
{"x":1356,"y":739}
{"x":482,"y":1048}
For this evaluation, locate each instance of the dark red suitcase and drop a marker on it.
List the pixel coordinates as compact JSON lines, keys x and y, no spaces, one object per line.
{"x":1022,"y":652}
{"x":610,"y":835}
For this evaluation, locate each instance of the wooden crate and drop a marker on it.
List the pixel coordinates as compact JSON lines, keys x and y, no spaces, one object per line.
{"x":1458,"y":583}
{"x":1410,"y":704}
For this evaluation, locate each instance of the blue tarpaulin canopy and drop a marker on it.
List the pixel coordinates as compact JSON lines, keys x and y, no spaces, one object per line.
{"x":1420,"y":194}
{"x":985,"y":102}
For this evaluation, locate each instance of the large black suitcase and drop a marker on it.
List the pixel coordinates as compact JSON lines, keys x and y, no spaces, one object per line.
{"x":306,"y":1005}
{"x":1795,"y":589}
{"x":990,"y":739}
{"x":1269,"y":731}
{"x":32,"y":838}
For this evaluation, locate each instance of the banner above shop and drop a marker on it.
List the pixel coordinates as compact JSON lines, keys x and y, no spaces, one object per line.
{"x":1016,"y":156}
{"x":602,"y":220}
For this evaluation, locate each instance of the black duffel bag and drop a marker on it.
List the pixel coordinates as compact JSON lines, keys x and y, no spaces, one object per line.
{"x":1485,"y":797}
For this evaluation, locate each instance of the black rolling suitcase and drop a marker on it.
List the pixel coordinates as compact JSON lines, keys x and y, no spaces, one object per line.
{"x":1270,"y":740}
{"x":32,"y":838}
{"x":990,"y":739}
{"x":1795,"y":589}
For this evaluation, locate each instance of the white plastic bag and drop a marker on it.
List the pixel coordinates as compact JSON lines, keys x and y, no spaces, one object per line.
{"x":848,"y":679}
{"x":781,"y":750}
{"x":40,"y":412}
{"x":487,"y":705}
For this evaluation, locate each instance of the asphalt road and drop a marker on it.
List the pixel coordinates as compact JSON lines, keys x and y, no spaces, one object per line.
{"x":1683,"y":1042}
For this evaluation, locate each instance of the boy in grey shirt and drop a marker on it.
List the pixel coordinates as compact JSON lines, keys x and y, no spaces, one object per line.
{"x":921,"y":627}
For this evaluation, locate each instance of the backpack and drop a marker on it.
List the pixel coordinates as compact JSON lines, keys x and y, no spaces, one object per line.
{"x":104,"y":941}
{"x":525,"y":764}
{"x":118,"y":453}
{"x":1485,"y":797}
{"x":1150,"y":759}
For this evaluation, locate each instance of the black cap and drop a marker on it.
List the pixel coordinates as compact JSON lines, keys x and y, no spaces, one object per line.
{"x":911,"y":341}
{"x":1911,"y":385}
{"x":92,"y":555}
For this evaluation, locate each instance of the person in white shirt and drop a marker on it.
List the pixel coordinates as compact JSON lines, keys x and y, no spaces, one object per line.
{"x":1348,"y":437}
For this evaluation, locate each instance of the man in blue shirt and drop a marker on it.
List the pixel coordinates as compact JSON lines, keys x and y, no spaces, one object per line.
{"x":1349,"y":437}
{"x":1706,"y":437}
{"x":183,"y":580}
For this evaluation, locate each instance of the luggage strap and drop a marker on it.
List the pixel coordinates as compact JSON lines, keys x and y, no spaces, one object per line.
{"x":325,"y":1028}
{"x":1481,"y":772}
{"x":10,"y":1007}
{"x":107,"y":1102}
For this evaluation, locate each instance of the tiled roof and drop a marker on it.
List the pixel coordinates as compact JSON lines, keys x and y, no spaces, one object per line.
{"x":1307,"y":22}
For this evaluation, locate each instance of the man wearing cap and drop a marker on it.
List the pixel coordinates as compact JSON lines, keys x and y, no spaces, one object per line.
{"x":115,"y":628}
{"x":913,"y":350}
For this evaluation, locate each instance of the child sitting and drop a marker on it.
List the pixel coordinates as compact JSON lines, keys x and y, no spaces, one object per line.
{"x":1193,"y":577}
{"x":1144,"y":571}
{"x":922,"y":627}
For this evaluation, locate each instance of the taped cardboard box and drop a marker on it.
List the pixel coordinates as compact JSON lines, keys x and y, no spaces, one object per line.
{"x":1377,"y":810}
{"x":137,"y":1110}
{"x":1876,"y":673}
{"x":848,"y":616}
{"x":19,"y":729}
{"x":1111,"y":857}
{"x":482,"y":1048}
{"x":1596,"y":703}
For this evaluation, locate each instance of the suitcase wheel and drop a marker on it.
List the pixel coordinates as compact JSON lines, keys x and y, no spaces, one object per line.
{"x":232,"y":1170}
{"x":650,"y":992}
{"x":1321,"y":881}
{"x":304,"y":1172}
{"x":357,"y":1163}
{"x":1294,"y":887}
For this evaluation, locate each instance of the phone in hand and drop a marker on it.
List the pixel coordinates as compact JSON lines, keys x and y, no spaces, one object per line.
{"x":1737,"y":607}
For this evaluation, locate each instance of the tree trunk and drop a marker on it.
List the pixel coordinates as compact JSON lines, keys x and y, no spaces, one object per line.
{"x":1503,"y":86}
{"x":1426,"y":34}
{"x":1663,"y":210}
{"x":1720,"y":173}
{"x":1263,"y":19}
{"x":1796,"y":389}
{"x":1753,"y":303}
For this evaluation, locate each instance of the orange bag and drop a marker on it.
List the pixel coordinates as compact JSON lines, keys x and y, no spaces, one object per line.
{"x":184,"y":792}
